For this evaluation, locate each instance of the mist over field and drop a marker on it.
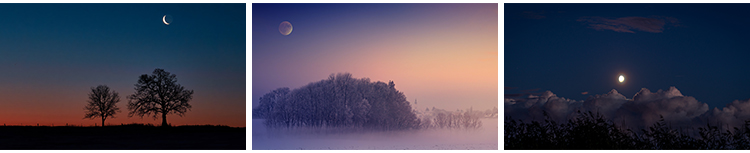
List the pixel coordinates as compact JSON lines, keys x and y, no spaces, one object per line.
{"x":483,"y":138}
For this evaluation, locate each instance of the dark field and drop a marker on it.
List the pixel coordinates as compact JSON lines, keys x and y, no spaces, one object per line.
{"x":127,"y":137}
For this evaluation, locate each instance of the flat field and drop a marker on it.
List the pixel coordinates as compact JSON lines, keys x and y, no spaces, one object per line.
{"x":122,"y":137}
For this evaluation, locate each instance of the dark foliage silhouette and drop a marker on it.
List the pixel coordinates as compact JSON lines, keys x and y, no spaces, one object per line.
{"x":102,"y":103}
{"x":159,"y":94}
{"x":339,"y":101}
{"x":592,"y":131}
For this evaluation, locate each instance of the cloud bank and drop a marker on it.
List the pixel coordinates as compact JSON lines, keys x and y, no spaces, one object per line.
{"x":733,"y":115}
{"x":646,"y":107}
{"x":654,"y":24}
{"x":533,"y":107}
{"x":643,"y":110}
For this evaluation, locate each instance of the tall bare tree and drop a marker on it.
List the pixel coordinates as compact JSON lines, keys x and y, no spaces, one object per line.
{"x":102,"y":103}
{"x":159,"y":94}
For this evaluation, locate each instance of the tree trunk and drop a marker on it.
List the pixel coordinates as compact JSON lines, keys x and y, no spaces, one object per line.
{"x":164,"y":120}
{"x":103,"y":122}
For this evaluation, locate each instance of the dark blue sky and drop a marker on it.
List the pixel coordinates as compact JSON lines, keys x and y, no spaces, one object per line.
{"x":701,"y":49}
{"x":52,"y":54}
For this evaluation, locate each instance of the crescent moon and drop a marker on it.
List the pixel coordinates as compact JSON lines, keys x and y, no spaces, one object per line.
{"x":285,"y":28}
{"x":164,"y":19}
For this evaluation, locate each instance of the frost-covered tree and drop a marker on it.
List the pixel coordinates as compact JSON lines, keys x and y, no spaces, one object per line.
{"x":361,"y":110}
{"x":269,"y":100}
{"x":339,"y":101}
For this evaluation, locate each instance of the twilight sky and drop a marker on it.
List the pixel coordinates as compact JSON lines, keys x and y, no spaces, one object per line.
{"x":52,"y":54}
{"x":569,"y":56}
{"x":443,"y":55}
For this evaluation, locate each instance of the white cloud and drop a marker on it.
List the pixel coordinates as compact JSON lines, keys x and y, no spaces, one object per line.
{"x":641,"y":111}
{"x":533,"y":107}
{"x":605,"y":104}
{"x":646,"y":95}
{"x":646,"y":108}
{"x":733,"y":115}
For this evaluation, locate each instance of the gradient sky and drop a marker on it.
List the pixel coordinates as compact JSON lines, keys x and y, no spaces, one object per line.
{"x":52,"y":54}
{"x":701,"y":49}
{"x":443,"y":55}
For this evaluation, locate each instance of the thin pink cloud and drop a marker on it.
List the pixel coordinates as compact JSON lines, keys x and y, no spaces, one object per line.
{"x":655,"y":24}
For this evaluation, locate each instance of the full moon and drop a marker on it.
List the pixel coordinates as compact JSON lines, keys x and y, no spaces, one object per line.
{"x":621,"y":79}
{"x":285,"y":28}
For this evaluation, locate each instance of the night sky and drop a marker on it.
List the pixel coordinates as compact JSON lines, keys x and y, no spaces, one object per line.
{"x":701,"y":49}
{"x":52,"y":54}
{"x":442,"y":55}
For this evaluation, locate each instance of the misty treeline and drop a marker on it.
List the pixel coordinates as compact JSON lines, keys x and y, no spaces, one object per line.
{"x":339,"y":101}
{"x":593,"y":131}
{"x":346,"y":102}
{"x":439,"y":118}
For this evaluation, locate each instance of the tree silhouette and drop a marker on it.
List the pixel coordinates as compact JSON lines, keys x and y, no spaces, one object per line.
{"x":102,"y":103}
{"x":159,"y":94}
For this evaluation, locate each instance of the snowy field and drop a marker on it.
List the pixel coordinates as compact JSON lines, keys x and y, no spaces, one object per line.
{"x":485,"y":138}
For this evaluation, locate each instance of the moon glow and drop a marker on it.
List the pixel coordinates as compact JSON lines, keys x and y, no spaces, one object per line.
{"x":285,"y":28}
{"x":621,"y":79}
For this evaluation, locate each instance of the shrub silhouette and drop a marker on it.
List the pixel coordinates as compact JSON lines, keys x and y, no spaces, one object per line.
{"x":666,"y":138}
{"x":592,"y":131}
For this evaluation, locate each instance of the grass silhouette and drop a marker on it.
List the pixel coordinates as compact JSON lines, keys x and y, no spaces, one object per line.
{"x":592,"y":131}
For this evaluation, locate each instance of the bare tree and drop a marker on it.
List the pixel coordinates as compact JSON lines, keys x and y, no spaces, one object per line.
{"x":159,"y":94}
{"x":102,"y":103}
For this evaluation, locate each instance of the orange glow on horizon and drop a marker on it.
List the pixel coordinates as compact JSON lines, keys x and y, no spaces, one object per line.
{"x":21,"y":108}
